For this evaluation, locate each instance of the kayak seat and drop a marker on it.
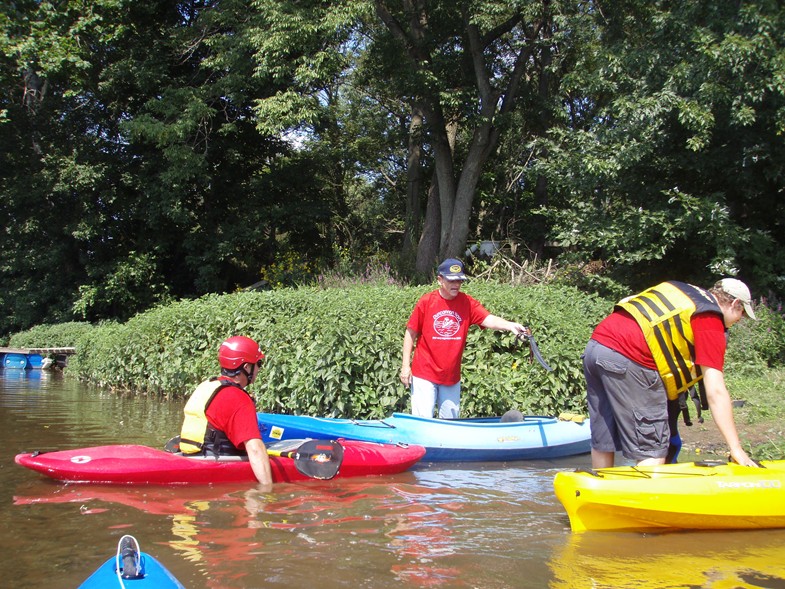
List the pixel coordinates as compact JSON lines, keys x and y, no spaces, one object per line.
{"x":511,"y":416}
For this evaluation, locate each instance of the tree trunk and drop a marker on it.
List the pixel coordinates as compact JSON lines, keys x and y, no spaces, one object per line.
{"x":456,"y":195}
{"x":414,"y":170}
{"x":428,"y":247}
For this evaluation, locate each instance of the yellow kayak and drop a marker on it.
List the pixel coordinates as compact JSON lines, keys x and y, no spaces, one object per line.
{"x":690,"y":495}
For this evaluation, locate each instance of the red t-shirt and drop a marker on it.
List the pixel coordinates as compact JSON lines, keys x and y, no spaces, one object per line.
{"x":443,"y":326}
{"x":233,"y":412}
{"x":619,"y":331}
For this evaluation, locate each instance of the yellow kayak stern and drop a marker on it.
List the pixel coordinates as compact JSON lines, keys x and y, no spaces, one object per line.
{"x":691,"y":495}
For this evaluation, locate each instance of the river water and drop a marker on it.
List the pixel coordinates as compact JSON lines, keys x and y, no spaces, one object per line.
{"x":474,"y":526}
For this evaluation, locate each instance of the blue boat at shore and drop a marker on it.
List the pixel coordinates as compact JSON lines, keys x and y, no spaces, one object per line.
{"x":487,"y":439}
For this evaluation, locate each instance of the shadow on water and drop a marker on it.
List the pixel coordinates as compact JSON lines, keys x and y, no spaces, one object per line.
{"x":455,"y":525}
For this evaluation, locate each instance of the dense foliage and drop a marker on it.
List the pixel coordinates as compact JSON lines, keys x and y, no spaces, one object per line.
{"x":338,"y":351}
{"x":152,"y":151}
{"x":51,"y":335}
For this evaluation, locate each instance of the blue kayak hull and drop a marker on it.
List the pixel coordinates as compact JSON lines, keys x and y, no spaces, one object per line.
{"x":445,"y":440}
{"x":156,"y":576}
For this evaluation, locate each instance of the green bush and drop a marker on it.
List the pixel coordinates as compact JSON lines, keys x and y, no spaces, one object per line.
{"x":753,"y":345}
{"x":56,"y":335}
{"x":498,"y":372}
{"x":337,"y":352}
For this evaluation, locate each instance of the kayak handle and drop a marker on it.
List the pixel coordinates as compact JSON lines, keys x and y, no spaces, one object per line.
{"x":367,"y":424}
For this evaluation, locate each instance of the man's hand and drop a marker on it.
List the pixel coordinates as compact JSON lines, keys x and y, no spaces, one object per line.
{"x":406,"y":376}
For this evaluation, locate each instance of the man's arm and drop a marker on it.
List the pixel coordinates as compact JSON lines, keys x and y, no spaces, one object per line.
{"x":499,"y":324}
{"x":260,"y":463}
{"x":722,"y":413}
{"x":409,"y":339}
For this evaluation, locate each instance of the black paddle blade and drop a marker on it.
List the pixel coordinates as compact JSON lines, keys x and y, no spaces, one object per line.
{"x":319,"y":459}
{"x":534,"y":350}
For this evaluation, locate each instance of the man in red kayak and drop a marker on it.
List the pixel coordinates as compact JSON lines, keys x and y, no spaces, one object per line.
{"x":438,"y":326}
{"x":220,"y":415}
{"x":653,"y":347}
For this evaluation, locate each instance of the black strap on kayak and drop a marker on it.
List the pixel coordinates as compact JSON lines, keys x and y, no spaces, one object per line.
{"x":590,"y":471}
{"x":372,"y":423}
{"x":534,"y":351}
{"x":755,"y":462}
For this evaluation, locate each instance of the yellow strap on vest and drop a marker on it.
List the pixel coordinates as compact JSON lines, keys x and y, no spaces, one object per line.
{"x":663,"y":313}
{"x":195,"y":423}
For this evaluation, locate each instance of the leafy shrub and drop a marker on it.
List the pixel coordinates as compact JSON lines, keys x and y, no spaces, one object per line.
{"x":337,"y":352}
{"x":289,"y":269}
{"x":498,"y":373}
{"x":756,"y":344}
{"x":55,"y":335}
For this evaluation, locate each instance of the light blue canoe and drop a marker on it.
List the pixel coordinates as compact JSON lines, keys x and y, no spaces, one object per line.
{"x":130,"y":568}
{"x":445,"y":440}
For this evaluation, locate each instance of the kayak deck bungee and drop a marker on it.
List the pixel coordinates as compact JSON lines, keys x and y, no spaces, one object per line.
{"x":131,"y":568}
{"x":135,"y":464}
{"x":690,"y":495}
{"x":445,"y":440}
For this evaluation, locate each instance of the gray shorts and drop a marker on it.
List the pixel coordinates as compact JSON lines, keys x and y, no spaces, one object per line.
{"x":628,"y":407}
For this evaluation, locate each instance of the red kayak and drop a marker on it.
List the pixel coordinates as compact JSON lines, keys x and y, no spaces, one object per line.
{"x":134,"y":464}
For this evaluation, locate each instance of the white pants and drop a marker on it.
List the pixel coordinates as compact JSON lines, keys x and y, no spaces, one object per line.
{"x":426,"y":394}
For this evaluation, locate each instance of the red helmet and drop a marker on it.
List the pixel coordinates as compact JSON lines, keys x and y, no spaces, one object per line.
{"x":237,"y":350}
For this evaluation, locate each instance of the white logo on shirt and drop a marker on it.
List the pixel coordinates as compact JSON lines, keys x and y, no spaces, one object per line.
{"x":446,"y":324}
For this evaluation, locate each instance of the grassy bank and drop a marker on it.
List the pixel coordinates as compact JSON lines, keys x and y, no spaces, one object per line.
{"x":761,"y":420}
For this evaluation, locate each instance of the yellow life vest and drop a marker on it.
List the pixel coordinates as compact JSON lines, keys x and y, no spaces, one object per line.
{"x":663,"y":313}
{"x":196,"y":435}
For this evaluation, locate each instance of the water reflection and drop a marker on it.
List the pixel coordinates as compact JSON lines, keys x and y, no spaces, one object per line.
{"x":424,"y":533}
{"x":10,"y":374}
{"x":742,"y":559}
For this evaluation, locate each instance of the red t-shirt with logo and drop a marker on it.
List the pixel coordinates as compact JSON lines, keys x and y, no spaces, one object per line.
{"x":443,"y":326}
{"x":233,"y":412}
{"x":619,"y":331}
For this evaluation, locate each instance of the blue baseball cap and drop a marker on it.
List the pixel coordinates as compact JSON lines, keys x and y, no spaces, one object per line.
{"x":451,"y":269}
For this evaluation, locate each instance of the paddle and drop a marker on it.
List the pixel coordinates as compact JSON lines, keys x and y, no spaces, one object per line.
{"x":534,"y":350}
{"x":319,"y":459}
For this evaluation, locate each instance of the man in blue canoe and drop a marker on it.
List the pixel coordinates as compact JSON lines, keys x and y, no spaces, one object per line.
{"x":438,"y":327}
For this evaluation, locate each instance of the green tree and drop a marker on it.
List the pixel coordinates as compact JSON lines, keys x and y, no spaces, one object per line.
{"x":671,"y":159}
{"x":56,"y":149}
{"x":132,"y":166}
{"x":461,"y":70}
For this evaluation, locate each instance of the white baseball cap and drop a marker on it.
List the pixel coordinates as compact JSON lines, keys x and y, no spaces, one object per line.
{"x":738,"y":290}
